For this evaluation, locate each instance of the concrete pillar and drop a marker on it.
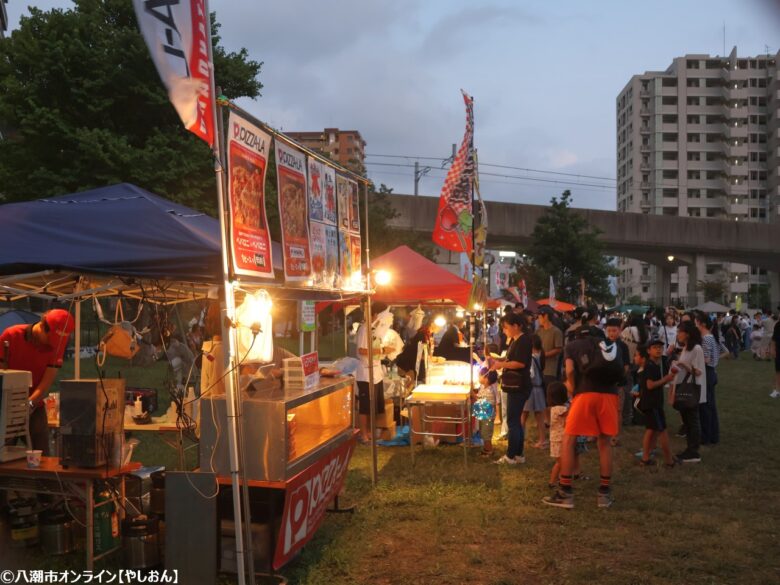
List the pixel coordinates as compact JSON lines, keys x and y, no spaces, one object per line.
{"x":663,"y":282}
{"x":696,"y":272}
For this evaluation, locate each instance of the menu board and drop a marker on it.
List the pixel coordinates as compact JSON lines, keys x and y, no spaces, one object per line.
{"x":247,"y":152}
{"x":343,"y":196}
{"x":329,"y":213}
{"x":293,"y":211}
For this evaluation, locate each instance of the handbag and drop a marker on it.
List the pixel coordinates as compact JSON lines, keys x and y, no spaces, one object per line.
{"x":121,"y":340}
{"x":511,"y":379}
{"x":686,"y":394}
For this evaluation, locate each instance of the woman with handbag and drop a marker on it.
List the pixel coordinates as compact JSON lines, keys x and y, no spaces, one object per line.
{"x":516,"y":382}
{"x":690,"y":388}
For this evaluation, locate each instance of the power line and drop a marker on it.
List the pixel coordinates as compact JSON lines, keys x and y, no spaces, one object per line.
{"x":505,"y":176}
{"x":484,"y":164}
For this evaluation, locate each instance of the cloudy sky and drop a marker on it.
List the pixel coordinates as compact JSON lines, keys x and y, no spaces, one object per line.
{"x":544,"y":76}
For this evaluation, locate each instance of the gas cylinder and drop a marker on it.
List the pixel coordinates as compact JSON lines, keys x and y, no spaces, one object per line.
{"x":106,"y":523}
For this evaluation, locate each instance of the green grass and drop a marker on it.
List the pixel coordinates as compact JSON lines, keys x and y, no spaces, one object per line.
{"x":438,"y":523}
{"x":712,"y":523}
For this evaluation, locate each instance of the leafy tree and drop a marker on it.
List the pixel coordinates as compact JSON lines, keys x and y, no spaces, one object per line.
{"x":83,"y":107}
{"x":565,"y":247}
{"x":714,"y":290}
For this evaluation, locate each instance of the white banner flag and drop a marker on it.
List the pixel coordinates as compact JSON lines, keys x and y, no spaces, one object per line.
{"x":177,"y":33}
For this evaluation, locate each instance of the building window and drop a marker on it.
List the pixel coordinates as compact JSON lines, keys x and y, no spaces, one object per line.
{"x":669,"y":82}
{"x":692,"y":100}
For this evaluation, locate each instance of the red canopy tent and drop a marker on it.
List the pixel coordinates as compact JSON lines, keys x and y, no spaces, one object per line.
{"x":415,"y":279}
{"x":560,"y":306}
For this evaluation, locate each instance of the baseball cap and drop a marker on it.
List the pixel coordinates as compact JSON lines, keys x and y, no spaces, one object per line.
{"x":61,"y":324}
{"x":545,"y":310}
{"x":655,"y":341}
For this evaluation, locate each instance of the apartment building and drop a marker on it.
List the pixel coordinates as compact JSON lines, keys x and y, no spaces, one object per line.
{"x":701,"y":139}
{"x":346,"y":147}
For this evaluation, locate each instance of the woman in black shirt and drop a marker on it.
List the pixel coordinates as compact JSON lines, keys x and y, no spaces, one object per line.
{"x":516,"y":382}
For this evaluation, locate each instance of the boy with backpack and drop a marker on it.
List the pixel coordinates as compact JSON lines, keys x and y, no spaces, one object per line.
{"x":594,"y":369}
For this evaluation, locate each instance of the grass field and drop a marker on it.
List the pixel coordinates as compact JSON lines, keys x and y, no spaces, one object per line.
{"x":440,"y":524}
{"x":712,"y":523}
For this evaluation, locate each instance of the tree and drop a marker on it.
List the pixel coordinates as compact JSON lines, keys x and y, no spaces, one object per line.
{"x":84,"y":107}
{"x":714,"y":290}
{"x":565,"y":247}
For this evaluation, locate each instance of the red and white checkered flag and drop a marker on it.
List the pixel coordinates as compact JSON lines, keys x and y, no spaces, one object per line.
{"x":454,"y":218}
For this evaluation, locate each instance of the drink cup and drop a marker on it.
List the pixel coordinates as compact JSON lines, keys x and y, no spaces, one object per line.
{"x":34,"y":458}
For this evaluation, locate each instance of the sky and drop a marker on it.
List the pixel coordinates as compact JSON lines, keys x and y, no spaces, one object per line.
{"x":544,"y":76}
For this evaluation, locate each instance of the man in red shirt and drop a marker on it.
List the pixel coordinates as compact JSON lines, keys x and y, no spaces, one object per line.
{"x":38,"y":349}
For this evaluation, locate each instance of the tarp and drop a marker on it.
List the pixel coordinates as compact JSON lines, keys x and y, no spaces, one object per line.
{"x":17,"y":317}
{"x":558,"y":305}
{"x":712,"y":307}
{"x":118,"y":230}
{"x":415,"y":279}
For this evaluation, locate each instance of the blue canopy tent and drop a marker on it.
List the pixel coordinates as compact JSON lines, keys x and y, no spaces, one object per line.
{"x":116,"y":230}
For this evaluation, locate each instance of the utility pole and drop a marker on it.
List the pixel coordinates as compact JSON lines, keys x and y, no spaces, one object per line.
{"x":419,"y":173}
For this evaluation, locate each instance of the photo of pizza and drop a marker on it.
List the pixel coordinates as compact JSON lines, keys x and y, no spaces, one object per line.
{"x":293,"y":208}
{"x":246,"y":191}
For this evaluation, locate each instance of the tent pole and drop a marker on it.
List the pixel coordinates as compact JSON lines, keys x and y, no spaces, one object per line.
{"x":370,"y":343}
{"x":77,"y":346}
{"x":239,"y":488}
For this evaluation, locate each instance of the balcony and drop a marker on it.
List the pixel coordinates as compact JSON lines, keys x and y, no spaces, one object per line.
{"x":645,"y":279}
{"x":645,"y":93}
{"x":645,"y":130}
{"x":739,"y":287}
{"x":732,"y":170}
{"x":736,"y":206}
{"x":739,"y":150}
{"x":645,"y":205}
{"x":645,"y":148}
{"x":644,"y":112}
{"x":735,"y":113}
{"x":731,"y":132}
{"x":645,"y":167}
{"x":644,"y":185}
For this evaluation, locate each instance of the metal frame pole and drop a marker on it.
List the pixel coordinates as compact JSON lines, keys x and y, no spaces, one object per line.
{"x":370,"y":343}
{"x":231,"y":397}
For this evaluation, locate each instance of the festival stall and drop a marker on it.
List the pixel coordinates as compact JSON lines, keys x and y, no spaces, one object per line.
{"x":124,"y":241}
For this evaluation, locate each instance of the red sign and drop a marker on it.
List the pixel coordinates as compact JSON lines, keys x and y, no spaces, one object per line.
{"x":293,"y":211}
{"x":311,"y":363}
{"x":307,"y":497}
{"x":247,"y":160}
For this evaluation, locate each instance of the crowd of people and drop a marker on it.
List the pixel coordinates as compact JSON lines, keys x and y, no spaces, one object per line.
{"x":586,"y":375}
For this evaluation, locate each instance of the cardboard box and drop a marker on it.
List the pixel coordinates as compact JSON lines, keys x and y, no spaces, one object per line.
{"x":388,"y":434}
{"x":386,"y":420}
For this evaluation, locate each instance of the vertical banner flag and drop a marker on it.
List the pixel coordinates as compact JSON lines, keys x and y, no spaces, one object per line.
{"x":177,"y":34}
{"x":552,"y":292}
{"x":343,"y":192}
{"x":523,"y":293}
{"x":454,"y":219}
{"x":315,"y":190}
{"x":247,"y":153}
{"x":293,"y":213}
{"x":329,"y":214}
{"x":355,"y":252}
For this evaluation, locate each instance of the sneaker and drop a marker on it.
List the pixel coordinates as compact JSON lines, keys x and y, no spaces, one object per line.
{"x":640,"y":454}
{"x":647,"y":463}
{"x":774,"y":394}
{"x":689,"y":458}
{"x":504,"y":460}
{"x":560,"y":499}
{"x":605,"y":499}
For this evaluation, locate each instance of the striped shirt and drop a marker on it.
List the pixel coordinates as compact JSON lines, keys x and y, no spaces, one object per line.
{"x":711,"y":350}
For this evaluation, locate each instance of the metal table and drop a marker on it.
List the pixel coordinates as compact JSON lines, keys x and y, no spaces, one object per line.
{"x":71,"y":482}
{"x":428,"y":395}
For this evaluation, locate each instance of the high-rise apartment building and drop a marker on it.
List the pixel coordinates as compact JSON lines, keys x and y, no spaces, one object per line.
{"x":346,"y":147}
{"x":701,"y":139}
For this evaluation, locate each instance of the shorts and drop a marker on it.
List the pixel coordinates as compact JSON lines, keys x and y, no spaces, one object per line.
{"x":555,"y":449}
{"x":364,"y":400}
{"x":593,"y":414}
{"x":536,"y":401}
{"x":486,"y":429}
{"x":655,"y":419}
